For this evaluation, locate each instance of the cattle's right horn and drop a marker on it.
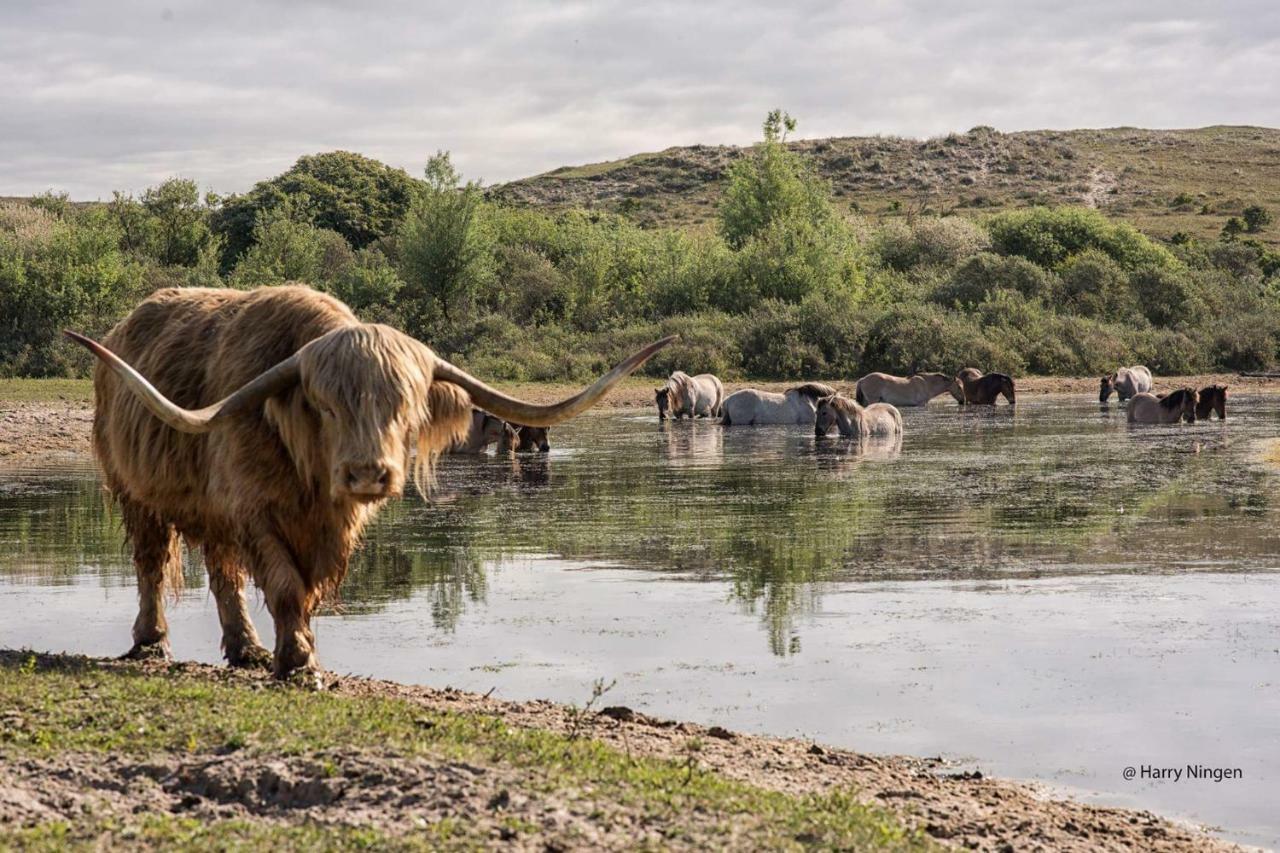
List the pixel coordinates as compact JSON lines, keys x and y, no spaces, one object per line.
{"x":244,"y":399}
{"x":529,"y":414}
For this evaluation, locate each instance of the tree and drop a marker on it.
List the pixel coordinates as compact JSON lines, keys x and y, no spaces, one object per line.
{"x":1233,"y":228}
{"x":1256,"y":217}
{"x":360,"y":198}
{"x":446,"y":253}
{"x":769,"y":184}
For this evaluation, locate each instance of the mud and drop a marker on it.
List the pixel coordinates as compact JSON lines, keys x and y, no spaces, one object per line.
{"x":397,"y":794}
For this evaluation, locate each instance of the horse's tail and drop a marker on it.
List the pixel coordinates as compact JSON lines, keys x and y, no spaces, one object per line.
{"x":725,"y":420}
{"x":859,"y":396}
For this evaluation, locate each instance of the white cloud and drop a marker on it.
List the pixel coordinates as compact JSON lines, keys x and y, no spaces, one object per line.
{"x":97,"y":97}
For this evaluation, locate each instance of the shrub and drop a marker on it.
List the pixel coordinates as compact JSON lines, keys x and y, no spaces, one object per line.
{"x":983,"y":274}
{"x":1049,"y":236}
{"x":930,"y":240}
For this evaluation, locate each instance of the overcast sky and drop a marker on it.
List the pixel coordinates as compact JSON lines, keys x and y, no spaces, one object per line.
{"x":98,"y":96}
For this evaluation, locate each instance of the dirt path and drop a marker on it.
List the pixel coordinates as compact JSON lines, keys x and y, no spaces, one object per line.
{"x":352,"y":788}
{"x":36,"y":431}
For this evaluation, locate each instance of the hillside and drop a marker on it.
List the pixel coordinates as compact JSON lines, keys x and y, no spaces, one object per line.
{"x":1163,"y":181}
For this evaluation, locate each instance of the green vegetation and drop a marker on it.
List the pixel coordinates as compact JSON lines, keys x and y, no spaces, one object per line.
{"x":789,"y":283}
{"x":54,"y":708}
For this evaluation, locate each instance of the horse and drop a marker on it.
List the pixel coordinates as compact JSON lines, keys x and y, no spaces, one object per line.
{"x":1147,"y":408}
{"x":855,"y":421}
{"x":517,"y":438}
{"x":1125,"y":382}
{"x":696,"y":396}
{"x":982,"y":389}
{"x":1213,"y":398}
{"x":485,"y":429}
{"x":914,"y":390}
{"x":752,"y":407}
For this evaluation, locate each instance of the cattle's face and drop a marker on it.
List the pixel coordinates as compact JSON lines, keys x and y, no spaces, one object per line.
{"x":825,"y":418}
{"x":663,"y":398}
{"x":370,"y":389}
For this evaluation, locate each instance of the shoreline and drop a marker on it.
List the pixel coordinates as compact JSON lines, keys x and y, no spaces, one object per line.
{"x":44,"y":420}
{"x":925,"y":799}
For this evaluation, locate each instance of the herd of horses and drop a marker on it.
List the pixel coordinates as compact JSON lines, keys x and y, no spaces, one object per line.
{"x":872,"y":412}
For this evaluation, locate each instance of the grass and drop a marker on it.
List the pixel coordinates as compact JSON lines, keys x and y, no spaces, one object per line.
{"x":90,"y":708}
{"x":46,"y":390}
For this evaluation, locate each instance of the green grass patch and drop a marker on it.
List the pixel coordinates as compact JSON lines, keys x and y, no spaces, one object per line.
{"x":54,"y":707}
{"x":46,"y":390}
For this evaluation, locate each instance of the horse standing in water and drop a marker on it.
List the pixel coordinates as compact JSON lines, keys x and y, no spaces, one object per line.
{"x":983,"y":389}
{"x":695,"y":396}
{"x":1125,"y":382}
{"x":914,"y":390}
{"x":752,"y":407}
{"x":1212,"y":399}
{"x":1147,"y":408}
{"x":855,"y":421}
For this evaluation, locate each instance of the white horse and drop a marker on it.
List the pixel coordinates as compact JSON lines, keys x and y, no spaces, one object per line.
{"x":750,"y":407}
{"x":696,"y":396}
{"x":1125,"y":382}
{"x":855,"y":421}
{"x":914,"y":390}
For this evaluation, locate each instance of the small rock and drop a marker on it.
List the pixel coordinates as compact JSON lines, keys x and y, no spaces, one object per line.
{"x":721,"y":733}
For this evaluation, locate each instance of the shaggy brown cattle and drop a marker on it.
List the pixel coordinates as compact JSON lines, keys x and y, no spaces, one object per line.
{"x":313,"y":428}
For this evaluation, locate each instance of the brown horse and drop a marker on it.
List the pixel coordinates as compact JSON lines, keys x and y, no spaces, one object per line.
{"x":983,"y":389}
{"x":1147,"y":408}
{"x":1212,"y":399}
{"x":524,"y":439}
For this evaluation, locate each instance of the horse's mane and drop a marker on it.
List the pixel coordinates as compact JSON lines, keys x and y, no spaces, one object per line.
{"x":814,"y":390}
{"x":1176,"y":399}
{"x":840,"y":403}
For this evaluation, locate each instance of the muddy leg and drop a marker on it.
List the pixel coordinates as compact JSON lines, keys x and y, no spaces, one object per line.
{"x":157,"y":560}
{"x":290,"y":601}
{"x":240,"y":643}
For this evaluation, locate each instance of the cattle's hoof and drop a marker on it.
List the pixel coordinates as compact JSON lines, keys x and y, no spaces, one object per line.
{"x":250,"y":657}
{"x":148,"y":651}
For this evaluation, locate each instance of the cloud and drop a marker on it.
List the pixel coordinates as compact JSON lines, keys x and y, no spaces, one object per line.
{"x":99,"y":97}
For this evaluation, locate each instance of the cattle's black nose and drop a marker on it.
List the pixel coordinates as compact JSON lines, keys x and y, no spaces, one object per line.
{"x":368,"y":479}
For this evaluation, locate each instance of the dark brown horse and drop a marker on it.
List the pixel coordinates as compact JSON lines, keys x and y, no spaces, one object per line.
{"x":524,"y":439}
{"x":1212,"y":399}
{"x":983,"y":389}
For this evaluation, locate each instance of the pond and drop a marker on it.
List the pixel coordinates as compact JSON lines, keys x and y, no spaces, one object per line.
{"x":1044,"y":594}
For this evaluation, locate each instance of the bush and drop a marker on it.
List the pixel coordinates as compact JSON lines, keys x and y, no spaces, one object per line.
{"x":911,"y":338}
{"x":980,"y":276}
{"x":944,"y":241}
{"x":1048,"y":236}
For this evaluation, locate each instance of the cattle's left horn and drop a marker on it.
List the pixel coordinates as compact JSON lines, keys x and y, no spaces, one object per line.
{"x":529,"y":414}
{"x":252,"y":393}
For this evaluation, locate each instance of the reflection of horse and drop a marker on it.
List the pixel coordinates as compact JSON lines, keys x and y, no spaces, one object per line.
{"x":1125,"y":382}
{"x":751,"y":407}
{"x":696,"y":396}
{"x":982,"y":389}
{"x":1147,"y":408}
{"x":854,"y":421}
{"x":842,"y":458}
{"x":693,"y":446}
{"x":914,"y":390}
{"x":1212,"y":399}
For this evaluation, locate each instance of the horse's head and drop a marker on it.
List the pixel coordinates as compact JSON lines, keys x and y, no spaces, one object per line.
{"x":825,"y":418}
{"x":662,"y":397}
{"x":1106,"y":386}
{"x":1212,"y":399}
{"x":1184,"y":401}
{"x":1006,"y":388}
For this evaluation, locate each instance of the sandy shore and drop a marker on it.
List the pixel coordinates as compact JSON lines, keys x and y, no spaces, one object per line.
{"x":351,"y":787}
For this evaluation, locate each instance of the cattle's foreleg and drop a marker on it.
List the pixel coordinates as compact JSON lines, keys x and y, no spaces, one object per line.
{"x":240,"y":643}
{"x":157,"y":560}
{"x":290,"y":601}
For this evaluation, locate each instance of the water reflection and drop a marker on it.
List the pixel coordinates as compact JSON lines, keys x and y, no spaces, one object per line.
{"x":1047,"y":488}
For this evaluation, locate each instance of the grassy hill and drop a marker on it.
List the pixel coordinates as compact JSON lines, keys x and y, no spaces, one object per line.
{"x":1163,"y":181}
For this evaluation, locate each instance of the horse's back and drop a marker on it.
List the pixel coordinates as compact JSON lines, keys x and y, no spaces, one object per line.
{"x":882,"y":419}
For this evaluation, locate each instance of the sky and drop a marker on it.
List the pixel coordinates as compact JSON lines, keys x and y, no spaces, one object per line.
{"x":98,"y":96}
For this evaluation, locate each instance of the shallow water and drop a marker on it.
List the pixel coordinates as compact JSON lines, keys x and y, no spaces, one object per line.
{"x":1047,"y":594}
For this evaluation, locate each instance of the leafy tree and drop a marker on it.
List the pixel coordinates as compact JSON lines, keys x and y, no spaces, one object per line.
{"x":446,"y":254}
{"x":1256,"y":217}
{"x":1233,"y":228}
{"x":360,"y":198}
{"x":285,"y":249}
{"x":772,"y":183}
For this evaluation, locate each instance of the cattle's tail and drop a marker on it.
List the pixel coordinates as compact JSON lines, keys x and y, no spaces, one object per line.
{"x":860,"y":397}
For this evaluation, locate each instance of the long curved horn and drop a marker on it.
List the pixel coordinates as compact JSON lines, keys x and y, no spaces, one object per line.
{"x":528,"y":414}
{"x":246,"y":398}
